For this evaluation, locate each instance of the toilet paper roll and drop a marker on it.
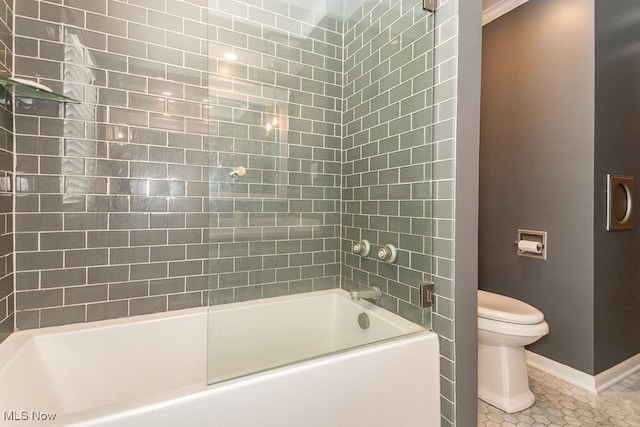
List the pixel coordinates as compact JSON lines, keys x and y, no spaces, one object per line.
{"x":530,"y":246}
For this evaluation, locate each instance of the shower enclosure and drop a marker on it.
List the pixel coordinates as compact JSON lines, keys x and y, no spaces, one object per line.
{"x":320,"y":136}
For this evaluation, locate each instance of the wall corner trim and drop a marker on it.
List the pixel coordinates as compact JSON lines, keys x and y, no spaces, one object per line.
{"x":593,"y":384}
{"x":499,"y":8}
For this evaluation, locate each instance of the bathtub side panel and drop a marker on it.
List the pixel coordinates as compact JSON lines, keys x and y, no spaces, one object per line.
{"x":103,"y":368}
{"x":25,"y":382}
{"x":95,"y":367}
{"x":342,"y":390}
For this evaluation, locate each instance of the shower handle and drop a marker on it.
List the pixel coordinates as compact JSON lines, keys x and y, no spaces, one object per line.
{"x":388,"y":253}
{"x":363,"y":247}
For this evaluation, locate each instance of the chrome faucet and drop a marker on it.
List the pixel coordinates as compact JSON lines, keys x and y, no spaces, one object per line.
{"x":372,"y":292}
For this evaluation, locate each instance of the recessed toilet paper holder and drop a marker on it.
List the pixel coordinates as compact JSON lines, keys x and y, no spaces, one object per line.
{"x":621,"y":195}
{"x":531,"y":243}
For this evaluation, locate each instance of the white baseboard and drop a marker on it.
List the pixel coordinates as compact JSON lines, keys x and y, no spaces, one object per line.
{"x":613,"y":375}
{"x":498,"y":9}
{"x":564,"y":372}
{"x":593,"y":384}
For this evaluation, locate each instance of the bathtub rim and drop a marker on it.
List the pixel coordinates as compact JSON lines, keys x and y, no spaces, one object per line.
{"x":20,"y":337}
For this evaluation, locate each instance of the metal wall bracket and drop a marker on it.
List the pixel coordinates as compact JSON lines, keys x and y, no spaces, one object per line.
{"x":429,"y":5}
{"x":426,"y":294}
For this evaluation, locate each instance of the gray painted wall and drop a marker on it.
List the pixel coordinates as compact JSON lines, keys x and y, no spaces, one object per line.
{"x":6,"y":174}
{"x":537,"y":167}
{"x":466,"y":213}
{"x":617,"y":128}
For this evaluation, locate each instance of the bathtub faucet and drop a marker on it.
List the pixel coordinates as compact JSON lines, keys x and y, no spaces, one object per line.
{"x":372,"y":292}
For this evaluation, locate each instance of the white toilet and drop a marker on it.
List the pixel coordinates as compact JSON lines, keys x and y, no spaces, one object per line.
{"x":505,"y":326}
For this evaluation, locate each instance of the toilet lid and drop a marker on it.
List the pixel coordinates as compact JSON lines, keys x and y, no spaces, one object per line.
{"x":505,"y":309}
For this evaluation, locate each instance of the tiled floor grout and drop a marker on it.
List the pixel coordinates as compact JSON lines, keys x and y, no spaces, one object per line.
{"x":561,"y":404}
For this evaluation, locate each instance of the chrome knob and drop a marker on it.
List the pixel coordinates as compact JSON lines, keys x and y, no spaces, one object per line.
{"x":388,"y":253}
{"x":363,"y":247}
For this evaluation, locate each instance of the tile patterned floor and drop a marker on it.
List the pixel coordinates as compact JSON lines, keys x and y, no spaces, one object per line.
{"x":561,"y":404}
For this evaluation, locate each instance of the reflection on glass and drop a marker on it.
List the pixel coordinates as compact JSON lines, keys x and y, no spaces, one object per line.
{"x":328,"y":106}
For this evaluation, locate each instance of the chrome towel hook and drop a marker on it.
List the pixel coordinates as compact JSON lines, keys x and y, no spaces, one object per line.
{"x":239,"y":171}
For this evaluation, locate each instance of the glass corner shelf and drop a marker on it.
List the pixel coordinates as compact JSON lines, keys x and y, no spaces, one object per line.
{"x":30,"y":89}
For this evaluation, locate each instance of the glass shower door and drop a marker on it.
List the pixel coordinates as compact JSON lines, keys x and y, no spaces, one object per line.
{"x":320,"y":119}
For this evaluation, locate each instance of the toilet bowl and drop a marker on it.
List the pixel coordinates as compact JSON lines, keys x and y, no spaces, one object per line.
{"x":505,"y":326}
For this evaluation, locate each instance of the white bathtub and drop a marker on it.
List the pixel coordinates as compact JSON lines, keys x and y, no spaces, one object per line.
{"x":152,"y":370}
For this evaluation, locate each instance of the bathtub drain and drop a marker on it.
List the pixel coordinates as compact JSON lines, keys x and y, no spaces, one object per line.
{"x":363,"y":320}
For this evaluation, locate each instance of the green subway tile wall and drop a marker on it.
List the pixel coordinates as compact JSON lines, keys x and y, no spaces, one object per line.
{"x":112,"y":192}
{"x":445,"y":101}
{"x":387,"y":189}
{"x":6,"y":175}
{"x":276,"y":111}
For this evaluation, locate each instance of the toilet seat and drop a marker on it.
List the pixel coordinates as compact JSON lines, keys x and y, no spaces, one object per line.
{"x":513,"y":329}
{"x":509,"y":310}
